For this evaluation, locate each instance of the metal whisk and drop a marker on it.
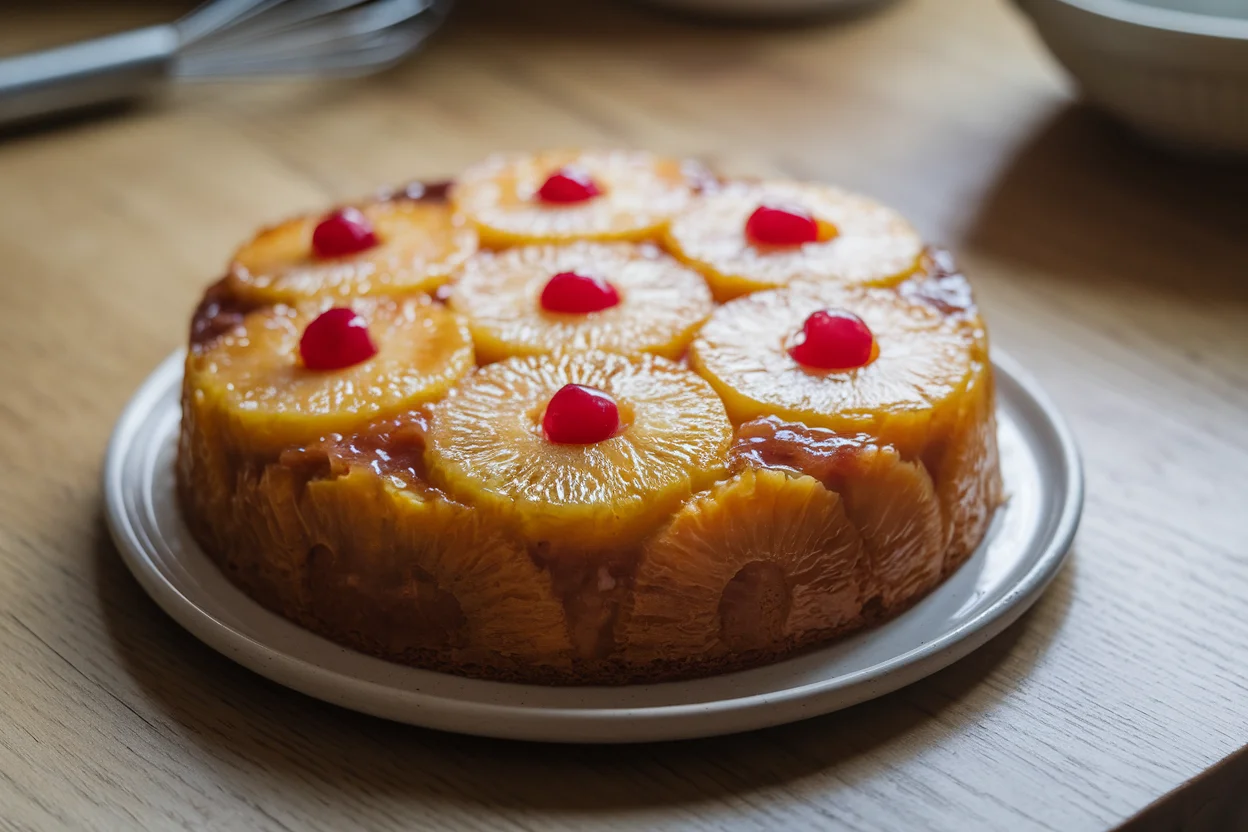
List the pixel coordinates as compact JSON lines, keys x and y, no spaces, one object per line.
{"x":220,"y":39}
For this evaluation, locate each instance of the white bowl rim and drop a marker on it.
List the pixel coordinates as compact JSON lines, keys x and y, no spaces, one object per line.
{"x":1171,"y":20}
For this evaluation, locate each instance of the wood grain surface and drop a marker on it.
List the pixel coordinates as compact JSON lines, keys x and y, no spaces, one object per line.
{"x":1112,"y":270}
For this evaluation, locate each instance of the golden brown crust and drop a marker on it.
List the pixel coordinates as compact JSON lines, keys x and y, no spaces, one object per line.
{"x":316,"y":536}
{"x":384,"y":621}
{"x":804,"y":536}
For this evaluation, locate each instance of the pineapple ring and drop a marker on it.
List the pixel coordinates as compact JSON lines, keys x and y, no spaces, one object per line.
{"x":964,"y":459}
{"x":872,"y":244}
{"x":756,"y":564}
{"x":407,"y":573}
{"x":968,"y":472}
{"x":249,"y":388}
{"x":421,"y":243}
{"x":486,"y":447}
{"x":640,"y":193}
{"x":662,"y":303}
{"x":925,"y":361}
{"x":892,"y":503}
{"x":245,"y":517}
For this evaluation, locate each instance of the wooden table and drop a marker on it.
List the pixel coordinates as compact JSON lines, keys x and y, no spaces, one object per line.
{"x":1115,"y":272}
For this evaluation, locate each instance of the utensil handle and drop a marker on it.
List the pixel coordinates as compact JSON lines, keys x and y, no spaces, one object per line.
{"x":108,"y":69}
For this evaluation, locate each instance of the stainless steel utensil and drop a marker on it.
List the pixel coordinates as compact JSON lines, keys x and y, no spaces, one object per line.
{"x":220,"y":39}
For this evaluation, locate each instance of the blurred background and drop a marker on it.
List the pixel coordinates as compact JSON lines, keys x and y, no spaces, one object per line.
{"x":954,"y":112}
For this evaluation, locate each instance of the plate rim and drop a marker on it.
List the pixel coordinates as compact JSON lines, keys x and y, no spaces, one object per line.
{"x":580,"y":725}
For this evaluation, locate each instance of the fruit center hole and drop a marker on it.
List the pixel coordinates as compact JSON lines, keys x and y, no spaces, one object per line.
{"x":754,"y":607}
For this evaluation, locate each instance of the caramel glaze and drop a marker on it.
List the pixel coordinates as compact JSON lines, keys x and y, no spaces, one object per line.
{"x":418,"y":192}
{"x":770,"y":442}
{"x":940,"y":284}
{"x":393,"y":448}
{"x":220,"y":311}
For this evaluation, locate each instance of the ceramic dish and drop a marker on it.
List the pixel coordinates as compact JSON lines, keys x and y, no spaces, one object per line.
{"x":1023,"y":551}
{"x":1176,"y":70}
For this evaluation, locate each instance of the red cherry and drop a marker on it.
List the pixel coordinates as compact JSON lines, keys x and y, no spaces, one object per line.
{"x":568,"y":185}
{"x":580,"y":415}
{"x":834,"y":340}
{"x":336,"y":339}
{"x":345,"y":231}
{"x":771,"y":226}
{"x":578,"y":294}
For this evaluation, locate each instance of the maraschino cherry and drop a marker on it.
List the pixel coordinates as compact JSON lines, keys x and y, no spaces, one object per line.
{"x":338,"y":338}
{"x":773,"y":226}
{"x":345,"y":231}
{"x":578,"y":294}
{"x":834,"y":340}
{"x":567,"y":185}
{"x":580,"y":415}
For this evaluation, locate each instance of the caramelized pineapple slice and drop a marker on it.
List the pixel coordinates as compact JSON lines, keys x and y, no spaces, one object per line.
{"x":892,"y":503}
{"x":487,"y":447}
{"x":761,"y":562}
{"x":968,"y":472}
{"x":660,"y":302}
{"x":916,"y":382}
{"x":859,"y":241}
{"x":404,"y":573}
{"x":419,"y":244}
{"x":247,"y":389}
{"x":247,"y":518}
{"x":964,"y":459}
{"x":927,"y":393}
{"x":636,"y":195}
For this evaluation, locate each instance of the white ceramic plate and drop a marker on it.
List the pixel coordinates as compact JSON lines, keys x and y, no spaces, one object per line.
{"x":1024,"y":550}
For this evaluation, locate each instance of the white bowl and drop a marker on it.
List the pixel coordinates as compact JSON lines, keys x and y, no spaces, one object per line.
{"x":1176,"y":70}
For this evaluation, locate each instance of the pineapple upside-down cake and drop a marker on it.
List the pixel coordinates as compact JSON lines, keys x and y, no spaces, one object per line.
{"x":589,"y":417}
